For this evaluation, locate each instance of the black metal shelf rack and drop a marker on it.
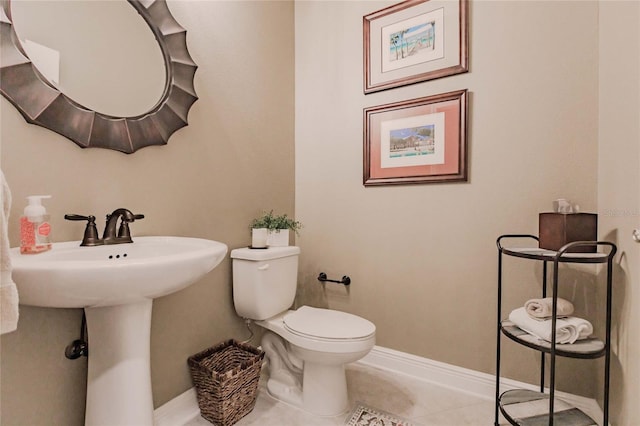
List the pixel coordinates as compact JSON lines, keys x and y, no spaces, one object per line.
{"x":513,"y":404}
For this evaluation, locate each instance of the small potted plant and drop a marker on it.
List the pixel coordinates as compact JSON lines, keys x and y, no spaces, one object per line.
{"x":277,"y":229}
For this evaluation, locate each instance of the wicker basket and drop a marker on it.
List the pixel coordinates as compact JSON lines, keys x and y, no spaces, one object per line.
{"x":226,"y":379}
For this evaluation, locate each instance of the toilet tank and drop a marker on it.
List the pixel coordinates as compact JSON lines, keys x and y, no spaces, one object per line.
{"x":264,"y":280}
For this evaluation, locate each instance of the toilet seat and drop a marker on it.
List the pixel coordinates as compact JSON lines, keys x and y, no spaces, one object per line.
{"x":328,"y":325}
{"x":321,"y":344}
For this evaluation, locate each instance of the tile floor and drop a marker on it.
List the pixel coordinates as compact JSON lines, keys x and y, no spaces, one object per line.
{"x":423,"y":403}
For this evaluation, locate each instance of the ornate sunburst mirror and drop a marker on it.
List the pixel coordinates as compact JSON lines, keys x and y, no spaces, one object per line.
{"x":40,"y":102}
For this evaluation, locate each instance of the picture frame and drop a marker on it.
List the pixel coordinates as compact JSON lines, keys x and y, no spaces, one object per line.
{"x":415,"y":41}
{"x":416,"y":141}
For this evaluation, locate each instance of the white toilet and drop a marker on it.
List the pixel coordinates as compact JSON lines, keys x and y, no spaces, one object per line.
{"x":307,"y":348}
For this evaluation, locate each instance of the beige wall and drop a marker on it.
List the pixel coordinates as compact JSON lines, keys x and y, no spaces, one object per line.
{"x":619,"y":192}
{"x":422,"y":258}
{"x":233,"y":160}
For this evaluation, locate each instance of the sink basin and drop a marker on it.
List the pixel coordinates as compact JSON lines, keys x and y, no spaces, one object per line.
{"x":70,"y":276}
{"x":116,"y":285}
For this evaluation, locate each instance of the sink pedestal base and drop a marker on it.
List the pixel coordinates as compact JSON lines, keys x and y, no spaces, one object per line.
{"x":119,"y":376}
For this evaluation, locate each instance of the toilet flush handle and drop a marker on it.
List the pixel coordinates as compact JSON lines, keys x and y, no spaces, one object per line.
{"x":263,"y":267}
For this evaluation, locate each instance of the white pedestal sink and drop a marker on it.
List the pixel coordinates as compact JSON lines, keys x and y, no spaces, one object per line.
{"x":115,"y":284}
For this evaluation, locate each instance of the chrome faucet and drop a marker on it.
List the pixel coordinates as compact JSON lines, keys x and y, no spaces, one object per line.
{"x":109,"y":236}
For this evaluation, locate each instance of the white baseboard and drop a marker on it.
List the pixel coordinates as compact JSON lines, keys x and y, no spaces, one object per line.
{"x":184,"y":407}
{"x":460,"y":379}
{"x":178,"y":411}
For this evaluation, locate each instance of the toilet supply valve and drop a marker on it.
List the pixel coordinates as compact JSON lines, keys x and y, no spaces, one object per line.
{"x":345,"y":279}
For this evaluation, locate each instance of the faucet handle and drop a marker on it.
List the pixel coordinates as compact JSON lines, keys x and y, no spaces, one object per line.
{"x":133,"y":218}
{"x":74,"y":216}
{"x":90,"y":232}
{"x":130,"y":217}
{"x":123,"y":231}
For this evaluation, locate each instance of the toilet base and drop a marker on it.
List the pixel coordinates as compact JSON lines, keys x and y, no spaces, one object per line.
{"x":319,"y":388}
{"x":324,"y":389}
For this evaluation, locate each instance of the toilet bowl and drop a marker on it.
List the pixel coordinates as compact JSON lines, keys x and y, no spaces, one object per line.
{"x":317,"y":343}
{"x":307,"y":348}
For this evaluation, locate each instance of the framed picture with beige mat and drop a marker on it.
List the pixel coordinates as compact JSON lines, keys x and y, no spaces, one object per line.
{"x":414,"y":41}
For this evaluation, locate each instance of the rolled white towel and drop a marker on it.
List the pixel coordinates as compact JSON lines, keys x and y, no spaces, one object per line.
{"x":568,"y":330}
{"x":542,"y":308}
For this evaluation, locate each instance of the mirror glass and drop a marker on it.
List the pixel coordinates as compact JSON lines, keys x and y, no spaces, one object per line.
{"x":109,"y":59}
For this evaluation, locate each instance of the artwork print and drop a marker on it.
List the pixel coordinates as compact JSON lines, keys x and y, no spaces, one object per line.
{"x":412,"y":141}
{"x":413,"y":41}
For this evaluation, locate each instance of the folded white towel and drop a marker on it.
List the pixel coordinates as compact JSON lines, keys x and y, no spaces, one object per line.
{"x":8,"y":291}
{"x":568,"y":330}
{"x":542,"y":308}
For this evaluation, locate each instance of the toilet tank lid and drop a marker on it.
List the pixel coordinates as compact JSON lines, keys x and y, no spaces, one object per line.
{"x":246,"y":253}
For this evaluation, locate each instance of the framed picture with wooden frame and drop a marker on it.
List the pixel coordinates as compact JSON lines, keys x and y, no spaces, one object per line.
{"x":416,"y":141}
{"x":415,"y":41}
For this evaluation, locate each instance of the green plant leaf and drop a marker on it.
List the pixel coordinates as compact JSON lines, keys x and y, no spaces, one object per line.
{"x":270,"y":221}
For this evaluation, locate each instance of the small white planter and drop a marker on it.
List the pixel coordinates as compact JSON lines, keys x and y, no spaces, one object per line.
{"x":278,"y":238}
{"x":259,"y":237}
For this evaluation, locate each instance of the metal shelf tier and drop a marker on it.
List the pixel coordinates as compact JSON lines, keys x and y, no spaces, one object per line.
{"x":587,"y":348}
{"x":529,"y":408}
{"x":536,"y":253}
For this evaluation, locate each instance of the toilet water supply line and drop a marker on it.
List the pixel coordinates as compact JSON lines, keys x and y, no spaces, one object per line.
{"x":247,"y":322}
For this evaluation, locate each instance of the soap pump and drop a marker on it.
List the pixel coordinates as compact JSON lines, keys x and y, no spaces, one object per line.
{"x":34,"y":227}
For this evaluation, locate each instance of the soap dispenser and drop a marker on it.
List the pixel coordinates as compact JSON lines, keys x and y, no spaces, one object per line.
{"x":34,"y":227}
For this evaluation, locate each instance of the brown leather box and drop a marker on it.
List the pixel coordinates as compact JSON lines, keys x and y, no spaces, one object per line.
{"x":558,"y":229}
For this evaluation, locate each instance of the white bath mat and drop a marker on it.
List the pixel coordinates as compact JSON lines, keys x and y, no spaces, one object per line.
{"x":367,"y":416}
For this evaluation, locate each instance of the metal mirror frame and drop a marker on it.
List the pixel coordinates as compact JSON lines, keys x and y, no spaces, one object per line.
{"x":44,"y":105}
